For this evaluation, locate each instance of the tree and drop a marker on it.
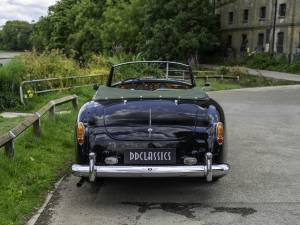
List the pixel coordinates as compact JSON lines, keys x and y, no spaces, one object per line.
{"x":40,"y":38}
{"x":73,"y":26}
{"x":15,"y":35}
{"x":178,"y":29}
{"x":122,"y":25}
{"x":159,"y":29}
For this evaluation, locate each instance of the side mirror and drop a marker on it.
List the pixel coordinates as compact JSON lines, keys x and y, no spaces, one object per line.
{"x":95,"y":87}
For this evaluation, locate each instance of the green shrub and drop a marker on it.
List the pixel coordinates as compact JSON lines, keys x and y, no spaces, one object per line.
{"x":263,"y":61}
{"x":268,"y":62}
{"x":48,"y":64}
{"x":293,"y":67}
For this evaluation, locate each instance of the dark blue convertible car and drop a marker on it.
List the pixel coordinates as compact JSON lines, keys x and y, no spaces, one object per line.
{"x":150,"y":120}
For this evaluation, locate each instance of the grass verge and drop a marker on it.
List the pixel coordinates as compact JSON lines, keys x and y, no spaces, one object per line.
{"x":38,"y":162}
{"x":7,"y":123}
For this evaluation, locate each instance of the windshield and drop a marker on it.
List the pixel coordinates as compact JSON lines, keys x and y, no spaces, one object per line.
{"x":150,"y":71}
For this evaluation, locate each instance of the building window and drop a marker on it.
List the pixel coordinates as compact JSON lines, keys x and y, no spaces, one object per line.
{"x":229,"y":41}
{"x":260,"y":42}
{"x":280,"y":41}
{"x":246,"y":16}
{"x":282,"y":10}
{"x":262,"y":13}
{"x":230,"y":18}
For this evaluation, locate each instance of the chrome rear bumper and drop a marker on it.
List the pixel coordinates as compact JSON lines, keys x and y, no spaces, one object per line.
{"x":209,"y":171}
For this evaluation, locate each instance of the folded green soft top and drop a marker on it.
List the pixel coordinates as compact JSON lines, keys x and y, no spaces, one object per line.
{"x":111,"y":93}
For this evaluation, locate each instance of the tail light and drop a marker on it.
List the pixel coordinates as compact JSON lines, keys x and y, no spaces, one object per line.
{"x":80,"y":133}
{"x":220,"y":132}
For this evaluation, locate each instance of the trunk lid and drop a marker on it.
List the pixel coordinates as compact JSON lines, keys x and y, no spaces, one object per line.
{"x":151,"y":120}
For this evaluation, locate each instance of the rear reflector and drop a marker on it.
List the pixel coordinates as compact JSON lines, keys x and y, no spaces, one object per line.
{"x":220,"y":132}
{"x":80,"y":133}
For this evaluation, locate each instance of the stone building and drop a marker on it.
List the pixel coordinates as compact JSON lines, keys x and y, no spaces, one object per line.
{"x":260,"y":26}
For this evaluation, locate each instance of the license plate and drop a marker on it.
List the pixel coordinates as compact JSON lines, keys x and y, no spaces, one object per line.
{"x":150,"y":156}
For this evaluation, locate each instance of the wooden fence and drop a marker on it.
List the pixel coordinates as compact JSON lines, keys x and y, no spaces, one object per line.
{"x":7,"y":140}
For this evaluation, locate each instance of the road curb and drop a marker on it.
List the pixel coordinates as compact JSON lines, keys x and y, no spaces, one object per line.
{"x":36,"y":216}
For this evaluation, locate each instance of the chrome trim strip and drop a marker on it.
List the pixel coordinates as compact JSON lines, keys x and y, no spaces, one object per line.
{"x":217,"y":170}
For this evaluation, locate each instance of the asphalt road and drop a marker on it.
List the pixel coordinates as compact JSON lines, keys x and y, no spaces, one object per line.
{"x":263,"y":187}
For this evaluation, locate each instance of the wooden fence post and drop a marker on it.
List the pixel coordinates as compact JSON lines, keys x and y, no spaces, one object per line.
{"x":37,"y":126}
{"x":52,"y":112}
{"x":9,"y":149}
{"x":75,"y":103}
{"x":9,"y":146}
{"x":206,"y":79}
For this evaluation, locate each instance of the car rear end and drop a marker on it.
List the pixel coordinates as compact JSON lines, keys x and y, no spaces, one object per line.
{"x":150,"y":138}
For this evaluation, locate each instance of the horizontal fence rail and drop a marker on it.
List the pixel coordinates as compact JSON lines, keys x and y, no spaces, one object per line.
{"x":221,"y":77}
{"x":205,"y":72}
{"x":7,"y":139}
{"x":63,"y":83}
{"x":6,"y":58}
{"x":212,"y":74}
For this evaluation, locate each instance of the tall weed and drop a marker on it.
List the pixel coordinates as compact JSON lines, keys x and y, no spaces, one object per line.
{"x":10,"y":77}
{"x":34,"y":65}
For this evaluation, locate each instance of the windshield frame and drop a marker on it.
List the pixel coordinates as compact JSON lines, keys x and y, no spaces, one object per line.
{"x":192,"y":83}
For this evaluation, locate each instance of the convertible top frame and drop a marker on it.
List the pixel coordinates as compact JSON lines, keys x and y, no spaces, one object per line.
{"x":110,"y":77}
